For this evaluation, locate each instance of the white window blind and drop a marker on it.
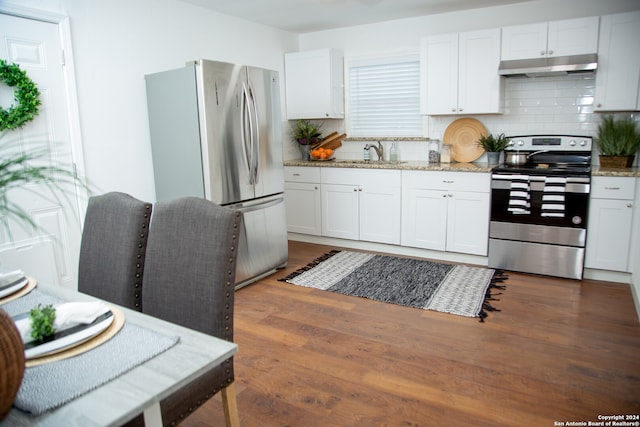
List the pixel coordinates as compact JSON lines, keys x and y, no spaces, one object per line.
{"x":384,"y":97}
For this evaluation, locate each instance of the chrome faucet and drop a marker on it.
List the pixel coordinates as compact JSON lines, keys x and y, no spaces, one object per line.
{"x":379,"y":151}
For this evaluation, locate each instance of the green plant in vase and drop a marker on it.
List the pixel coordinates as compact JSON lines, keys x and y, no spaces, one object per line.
{"x":306,"y":134}
{"x":493,"y":145}
{"x":618,"y":141}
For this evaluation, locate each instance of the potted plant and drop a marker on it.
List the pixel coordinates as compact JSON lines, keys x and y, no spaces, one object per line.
{"x":19,"y":168}
{"x":306,"y":134}
{"x":618,"y":141}
{"x":493,"y":145}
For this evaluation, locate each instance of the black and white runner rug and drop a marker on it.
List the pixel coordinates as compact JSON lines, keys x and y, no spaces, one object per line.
{"x":449,"y":288}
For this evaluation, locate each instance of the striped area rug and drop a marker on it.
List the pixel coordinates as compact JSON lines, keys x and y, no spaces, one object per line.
{"x":456,"y":289}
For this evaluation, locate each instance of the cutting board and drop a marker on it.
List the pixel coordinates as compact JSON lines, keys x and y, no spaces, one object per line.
{"x":333,"y":141}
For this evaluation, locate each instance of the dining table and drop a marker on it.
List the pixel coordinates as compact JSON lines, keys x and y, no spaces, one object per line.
{"x":139,"y":389}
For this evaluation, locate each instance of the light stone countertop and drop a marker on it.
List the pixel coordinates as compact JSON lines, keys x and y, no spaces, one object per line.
{"x":629,"y":172}
{"x":403,"y":165}
{"x":449,"y":167}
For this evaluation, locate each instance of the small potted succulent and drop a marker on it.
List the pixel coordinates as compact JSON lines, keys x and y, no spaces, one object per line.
{"x":493,"y":145}
{"x":306,"y":134}
{"x":618,"y":141}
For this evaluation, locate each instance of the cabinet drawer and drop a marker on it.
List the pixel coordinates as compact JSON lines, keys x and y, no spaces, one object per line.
{"x":362,"y":177}
{"x":612,"y":187}
{"x":301,"y":174}
{"x":453,"y":181}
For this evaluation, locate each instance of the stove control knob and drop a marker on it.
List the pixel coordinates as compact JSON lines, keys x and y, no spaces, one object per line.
{"x":576,"y":220}
{"x":572,"y":143}
{"x":519,"y":143}
{"x":583,"y":143}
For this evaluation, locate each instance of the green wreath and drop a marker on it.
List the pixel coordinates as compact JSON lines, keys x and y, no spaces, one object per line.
{"x":26,"y":95}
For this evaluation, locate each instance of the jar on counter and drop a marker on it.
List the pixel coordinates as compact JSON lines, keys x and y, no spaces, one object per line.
{"x":434,"y":151}
{"x":445,"y":154}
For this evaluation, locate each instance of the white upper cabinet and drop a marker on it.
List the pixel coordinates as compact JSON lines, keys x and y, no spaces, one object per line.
{"x":618,"y":75}
{"x":459,"y":73}
{"x":547,"y":39}
{"x":314,"y":83}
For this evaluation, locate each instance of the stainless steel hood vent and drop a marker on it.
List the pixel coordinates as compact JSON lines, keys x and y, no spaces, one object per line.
{"x":549,"y":66}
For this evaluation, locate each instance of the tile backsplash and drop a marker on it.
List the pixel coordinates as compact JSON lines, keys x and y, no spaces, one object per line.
{"x":552,"y":105}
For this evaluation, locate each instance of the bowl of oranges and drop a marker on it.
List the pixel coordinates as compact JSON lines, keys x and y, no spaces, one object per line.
{"x":322,"y":154}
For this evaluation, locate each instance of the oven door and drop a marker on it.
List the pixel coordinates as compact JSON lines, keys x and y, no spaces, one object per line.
{"x":534,"y":243}
{"x":576,"y":202}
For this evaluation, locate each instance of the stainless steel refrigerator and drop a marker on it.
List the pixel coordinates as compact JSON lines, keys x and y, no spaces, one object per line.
{"x":216,"y":133}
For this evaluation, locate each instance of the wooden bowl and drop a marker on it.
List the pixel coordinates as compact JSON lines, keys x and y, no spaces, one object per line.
{"x":12,"y":362}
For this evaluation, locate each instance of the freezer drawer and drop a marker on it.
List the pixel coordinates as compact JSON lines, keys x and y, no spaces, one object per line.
{"x":263,"y":240}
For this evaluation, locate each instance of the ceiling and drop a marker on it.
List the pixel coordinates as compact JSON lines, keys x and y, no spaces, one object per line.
{"x":303,"y":16}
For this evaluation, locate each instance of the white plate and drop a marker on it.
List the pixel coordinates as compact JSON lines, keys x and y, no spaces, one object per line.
{"x":63,"y":340}
{"x":17,"y":284}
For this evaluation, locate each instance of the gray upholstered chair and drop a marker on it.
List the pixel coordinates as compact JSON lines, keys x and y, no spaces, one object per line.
{"x":112,"y":250}
{"x":189,"y":279}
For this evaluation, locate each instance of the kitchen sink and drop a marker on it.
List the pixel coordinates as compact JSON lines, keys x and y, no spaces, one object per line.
{"x":369,"y":162}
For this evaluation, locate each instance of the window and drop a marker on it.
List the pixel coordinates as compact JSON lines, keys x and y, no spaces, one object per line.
{"x":384,"y":97}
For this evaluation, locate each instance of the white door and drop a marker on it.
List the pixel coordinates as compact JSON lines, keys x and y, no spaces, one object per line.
{"x":573,"y":36}
{"x":609,"y":235}
{"x":380,"y":213}
{"x":303,"y":207}
{"x":479,"y":90}
{"x":50,"y":253}
{"x":440,"y":69}
{"x":468,"y":222}
{"x":340,"y":211}
{"x":425,"y":219}
{"x":524,"y":41}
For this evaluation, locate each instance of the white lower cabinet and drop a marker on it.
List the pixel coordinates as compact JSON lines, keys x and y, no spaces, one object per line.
{"x":302,"y":200}
{"x":446,"y":211}
{"x":610,"y":221}
{"x":361,"y":204}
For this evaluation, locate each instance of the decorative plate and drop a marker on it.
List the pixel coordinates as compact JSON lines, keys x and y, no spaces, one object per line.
{"x":19,"y":290}
{"x":313,"y":159}
{"x":462,"y":135}
{"x":76,"y":340}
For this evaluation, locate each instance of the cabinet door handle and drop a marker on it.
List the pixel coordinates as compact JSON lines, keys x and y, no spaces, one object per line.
{"x":296,"y":174}
{"x":542,"y":52}
{"x":315,"y":188}
{"x":611,"y":188}
{"x":447,"y":182}
{"x":550,"y":52}
{"x":453,"y":110}
{"x":629,"y":205}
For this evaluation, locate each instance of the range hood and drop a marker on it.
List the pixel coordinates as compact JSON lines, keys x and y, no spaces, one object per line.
{"x":549,"y":66}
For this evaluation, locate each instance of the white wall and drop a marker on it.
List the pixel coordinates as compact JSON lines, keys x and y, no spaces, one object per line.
{"x":117,"y":42}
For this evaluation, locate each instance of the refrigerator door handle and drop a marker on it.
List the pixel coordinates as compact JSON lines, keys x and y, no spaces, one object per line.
{"x":247,"y":143}
{"x":255,"y":142}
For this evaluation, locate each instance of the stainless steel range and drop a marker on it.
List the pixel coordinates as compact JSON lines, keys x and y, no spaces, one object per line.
{"x":539,"y":205}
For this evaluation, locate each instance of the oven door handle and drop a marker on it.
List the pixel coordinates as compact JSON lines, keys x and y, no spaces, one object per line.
{"x":538,"y":185}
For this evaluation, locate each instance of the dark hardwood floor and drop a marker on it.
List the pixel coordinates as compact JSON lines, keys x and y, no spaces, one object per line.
{"x":558,"y":351}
